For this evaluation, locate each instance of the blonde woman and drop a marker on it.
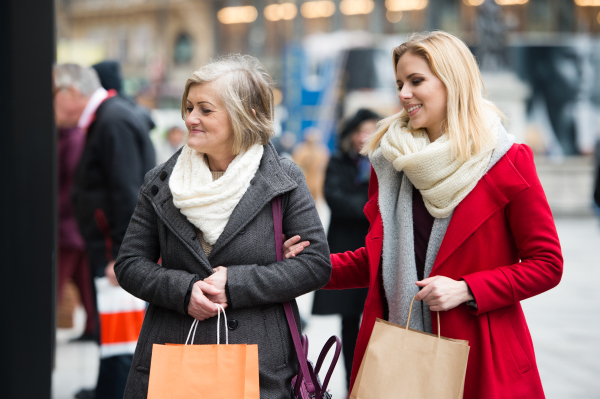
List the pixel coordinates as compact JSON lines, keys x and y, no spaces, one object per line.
{"x":207,"y":214}
{"x":458,"y":217}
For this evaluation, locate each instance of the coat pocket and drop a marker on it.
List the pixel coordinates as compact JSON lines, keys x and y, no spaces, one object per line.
{"x":513,"y":344}
{"x":275,"y":338}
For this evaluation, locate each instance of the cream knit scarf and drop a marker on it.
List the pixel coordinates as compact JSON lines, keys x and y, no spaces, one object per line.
{"x":206,"y":203}
{"x":443,"y":179}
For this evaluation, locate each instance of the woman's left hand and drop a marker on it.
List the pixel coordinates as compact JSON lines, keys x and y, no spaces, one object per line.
{"x":443,"y":293}
{"x":218,"y":280}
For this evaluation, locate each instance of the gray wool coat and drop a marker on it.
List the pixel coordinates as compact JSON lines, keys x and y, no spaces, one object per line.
{"x":257,"y":284}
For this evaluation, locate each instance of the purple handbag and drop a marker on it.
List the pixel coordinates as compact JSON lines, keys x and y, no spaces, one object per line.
{"x":306,"y":385}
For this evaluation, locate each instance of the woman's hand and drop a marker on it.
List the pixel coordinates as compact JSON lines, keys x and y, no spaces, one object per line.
{"x":443,"y":293}
{"x":218,"y":280}
{"x":200,"y":306}
{"x":109,"y":272}
{"x":292,"y":248}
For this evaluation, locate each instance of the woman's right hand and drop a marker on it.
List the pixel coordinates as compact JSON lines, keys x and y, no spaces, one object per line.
{"x":292,"y":248}
{"x":200,"y":307}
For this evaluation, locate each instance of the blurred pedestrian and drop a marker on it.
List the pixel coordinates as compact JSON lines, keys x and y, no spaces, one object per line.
{"x":312,"y":157}
{"x":346,"y":192}
{"x":207,"y":214}
{"x":173,"y":140}
{"x":458,"y":220}
{"x":284,"y":144}
{"x":111,"y":79}
{"x":116,"y":156}
{"x":72,"y":259}
{"x":109,"y":73}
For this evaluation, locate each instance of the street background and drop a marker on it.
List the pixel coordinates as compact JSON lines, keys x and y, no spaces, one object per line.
{"x":540,"y":61}
{"x":561,"y":321}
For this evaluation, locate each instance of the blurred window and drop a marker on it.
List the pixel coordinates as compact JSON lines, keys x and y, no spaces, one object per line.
{"x":182,"y":53}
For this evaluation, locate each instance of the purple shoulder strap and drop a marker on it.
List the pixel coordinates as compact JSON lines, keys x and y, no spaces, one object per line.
{"x":307,"y":374}
{"x":289,"y":313}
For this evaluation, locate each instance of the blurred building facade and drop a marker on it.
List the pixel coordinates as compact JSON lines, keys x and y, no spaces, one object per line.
{"x":159,"y":42}
{"x":540,"y":59}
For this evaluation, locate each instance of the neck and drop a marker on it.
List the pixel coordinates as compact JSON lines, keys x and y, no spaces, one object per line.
{"x":434,"y":134}
{"x":219,"y":163}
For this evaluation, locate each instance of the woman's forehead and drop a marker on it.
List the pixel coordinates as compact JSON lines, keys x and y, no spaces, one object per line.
{"x":410,"y":64}
{"x":205,"y":92}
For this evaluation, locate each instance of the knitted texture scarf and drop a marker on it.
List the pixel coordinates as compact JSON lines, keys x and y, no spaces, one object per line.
{"x":208,"y":204}
{"x":443,"y":179}
{"x":399,"y":271}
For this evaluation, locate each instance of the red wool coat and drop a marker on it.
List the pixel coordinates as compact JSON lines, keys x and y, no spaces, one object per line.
{"x":502,"y":241}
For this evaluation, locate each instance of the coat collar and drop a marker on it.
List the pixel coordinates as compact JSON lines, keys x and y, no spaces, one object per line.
{"x":495,"y":189}
{"x":269,"y":182}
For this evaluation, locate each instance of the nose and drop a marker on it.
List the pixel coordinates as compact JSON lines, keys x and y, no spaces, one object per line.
{"x":405,"y":93}
{"x":192,"y":120}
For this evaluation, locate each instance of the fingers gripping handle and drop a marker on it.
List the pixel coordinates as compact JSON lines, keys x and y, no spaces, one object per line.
{"x":410,"y":312}
{"x":194,"y":326}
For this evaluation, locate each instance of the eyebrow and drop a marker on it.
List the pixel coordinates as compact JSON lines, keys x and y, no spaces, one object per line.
{"x":410,"y":76}
{"x":200,"y":102}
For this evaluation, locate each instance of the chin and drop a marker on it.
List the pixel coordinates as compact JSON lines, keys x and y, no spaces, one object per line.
{"x":416,"y":124}
{"x":196,"y":145}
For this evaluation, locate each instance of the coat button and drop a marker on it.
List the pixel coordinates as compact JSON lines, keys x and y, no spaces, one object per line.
{"x":243,"y":231}
{"x":232,"y":324}
{"x":154,"y":190}
{"x":163,"y":175}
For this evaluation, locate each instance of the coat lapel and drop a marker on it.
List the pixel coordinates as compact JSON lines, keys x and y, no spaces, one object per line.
{"x":494,"y":191}
{"x":158,"y":192}
{"x":269,"y":182}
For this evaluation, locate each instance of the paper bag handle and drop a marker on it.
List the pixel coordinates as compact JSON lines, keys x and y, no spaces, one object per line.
{"x":410,"y":311}
{"x":192,"y":332}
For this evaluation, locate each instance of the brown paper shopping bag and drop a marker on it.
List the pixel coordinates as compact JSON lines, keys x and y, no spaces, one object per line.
{"x":404,"y":363}
{"x":204,"y":371}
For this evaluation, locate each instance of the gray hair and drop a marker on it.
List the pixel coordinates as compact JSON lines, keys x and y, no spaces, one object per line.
{"x":246,"y":88}
{"x":72,"y":75}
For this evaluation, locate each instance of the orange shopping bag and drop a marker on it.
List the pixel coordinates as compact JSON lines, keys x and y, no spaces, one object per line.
{"x":199,"y":371}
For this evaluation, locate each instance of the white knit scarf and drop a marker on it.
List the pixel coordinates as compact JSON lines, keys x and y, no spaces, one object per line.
{"x":443,"y":179}
{"x":208,"y":204}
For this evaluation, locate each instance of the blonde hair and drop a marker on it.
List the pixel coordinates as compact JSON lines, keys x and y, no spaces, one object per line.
{"x":453,"y":63}
{"x":246,"y":91}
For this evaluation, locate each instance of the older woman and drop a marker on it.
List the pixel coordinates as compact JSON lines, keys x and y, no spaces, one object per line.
{"x":206,"y":213}
{"x":458,"y":218}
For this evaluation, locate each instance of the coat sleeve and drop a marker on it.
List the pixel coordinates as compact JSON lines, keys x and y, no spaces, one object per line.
{"x":350,"y":269}
{"x":534,"y":232}
{"x":252,"y":285}
{"x":124,"y":167}
{"x":344,"y":200}
{"x":137,"y":269}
